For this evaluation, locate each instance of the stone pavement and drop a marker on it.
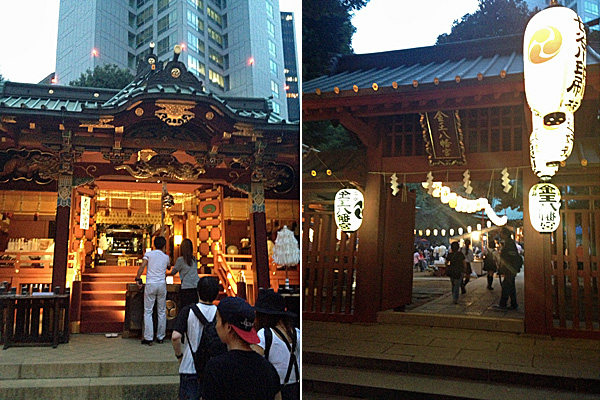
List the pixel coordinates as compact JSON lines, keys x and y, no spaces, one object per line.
{"x":478,"y":301}
{"x":90,"y":366}
{"x":473,"y":342}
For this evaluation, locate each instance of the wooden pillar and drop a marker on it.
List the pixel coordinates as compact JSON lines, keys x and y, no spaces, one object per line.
{"x":258,"y":236}
{"x":61,"y":241}
{"x":537,"y":256}
{"x":369,"y":279}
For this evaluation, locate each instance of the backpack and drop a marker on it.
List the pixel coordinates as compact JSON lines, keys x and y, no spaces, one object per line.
{"x":291,"y":347}
{"x":210,"y":344}
{"x":489,"y":263}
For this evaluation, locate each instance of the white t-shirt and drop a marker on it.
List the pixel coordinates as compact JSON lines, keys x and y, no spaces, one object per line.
{"x":194,"y":333}
{"x":157,"y":266}
{"x":468,"y":254}
{"x":279,"y":355}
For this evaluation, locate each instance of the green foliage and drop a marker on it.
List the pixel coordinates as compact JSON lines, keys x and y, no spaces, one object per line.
{"x":324,"y":135}
{"x":326,"y":31}
{"x":493,"y":18}
{"x":108,"y":76}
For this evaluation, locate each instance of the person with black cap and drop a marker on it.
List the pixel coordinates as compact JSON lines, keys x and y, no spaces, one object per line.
{"x":279,"y":340}
{"x":241,"y":373}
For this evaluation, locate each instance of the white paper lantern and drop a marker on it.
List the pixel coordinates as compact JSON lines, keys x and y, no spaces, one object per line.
{"x":544,"y":207}
{"x":348,"y":207}
{"x":549,"y":145}
{"x":540,"y":164}
{"x":554,"y":56}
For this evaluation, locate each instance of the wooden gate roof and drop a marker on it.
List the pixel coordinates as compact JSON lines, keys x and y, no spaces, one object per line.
{"x":451,"y":63}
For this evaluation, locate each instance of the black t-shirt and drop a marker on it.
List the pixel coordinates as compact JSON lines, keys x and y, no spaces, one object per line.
{"x":238,"y":374}
{"x":456,"y":264}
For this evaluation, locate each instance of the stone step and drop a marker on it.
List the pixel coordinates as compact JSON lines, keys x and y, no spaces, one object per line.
{"x":329,"y":370}
{"x":513,"y":325}
{"x":103,"y":314}
{"x":105,"y":388}
{"x":90,"y":380}
{"x":109,"y":277}
{"x":321,"y":381}
{"x":103,"y":305}
{"x":104,"y":286}
{"x":79,"y":369}
{"x":89,"y":295}
{"x":128,"y":269}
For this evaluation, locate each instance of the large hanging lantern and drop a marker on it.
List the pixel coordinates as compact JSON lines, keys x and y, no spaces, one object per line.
{"x":549,"y":145}
{"x":554,"y":56}
{"x":544,"y":207}
{"x":348,"y":207}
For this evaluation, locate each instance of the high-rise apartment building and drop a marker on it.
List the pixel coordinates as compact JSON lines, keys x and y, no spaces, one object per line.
{"x":234,"y":46}
{"x":291,"y":65}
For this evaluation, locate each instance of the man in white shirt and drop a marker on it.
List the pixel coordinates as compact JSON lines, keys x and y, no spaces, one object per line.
{"x":156,"y":263}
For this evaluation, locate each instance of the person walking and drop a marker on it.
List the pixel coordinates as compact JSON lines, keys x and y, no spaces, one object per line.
{"x":187,"y":266}
{"x":510,"y":262}
{"x":455,"y":266}
{"x":190,"y":380}
{"x":240,"y":373}
{"x":469,"y":257}
{"x":279,"y":340}
{"x":489,"y":262}
{"x":155,"y":262}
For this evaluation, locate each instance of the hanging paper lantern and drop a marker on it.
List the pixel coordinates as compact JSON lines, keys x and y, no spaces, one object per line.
{"x":348,"y":207}
{"x":451,"y":231}
{"x":544,"y":207}
{"x":540,"y":164}
{"x":549,"y":145}
{"x":420,"y":232}
{"x":435,"y":232}
{"x":489,"y":224}
{"x":478,"y":227}
{"x":554,"y":49}
{"x":469,"y":229}
{"x":460,"y":231}
{"x":427,"y":232}
{"x":443,"y":232}
{"x":445,"y":194}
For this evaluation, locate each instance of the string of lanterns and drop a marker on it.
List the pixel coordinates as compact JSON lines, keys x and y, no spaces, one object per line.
{"x":450,"y":231}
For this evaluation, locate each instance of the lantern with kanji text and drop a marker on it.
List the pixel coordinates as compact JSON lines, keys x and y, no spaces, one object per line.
{"x":544,"y":207}
{"x":348,"y":207}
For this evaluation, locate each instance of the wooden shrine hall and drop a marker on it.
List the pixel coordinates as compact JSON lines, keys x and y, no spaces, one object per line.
{"x":89,"y":176}
{"x":387,"y":100}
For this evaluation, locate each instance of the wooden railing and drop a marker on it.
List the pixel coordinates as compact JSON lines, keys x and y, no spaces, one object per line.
{"x":233,"y":269}
{"x":32,"y":267}
{"x":34,"y":320}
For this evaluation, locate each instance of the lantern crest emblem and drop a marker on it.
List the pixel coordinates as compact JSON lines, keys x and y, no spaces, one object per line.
{"x":544,"y":45}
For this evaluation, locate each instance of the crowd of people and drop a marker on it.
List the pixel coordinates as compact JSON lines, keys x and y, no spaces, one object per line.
{"x":502,"y":256}
{"x":226,"y":351}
